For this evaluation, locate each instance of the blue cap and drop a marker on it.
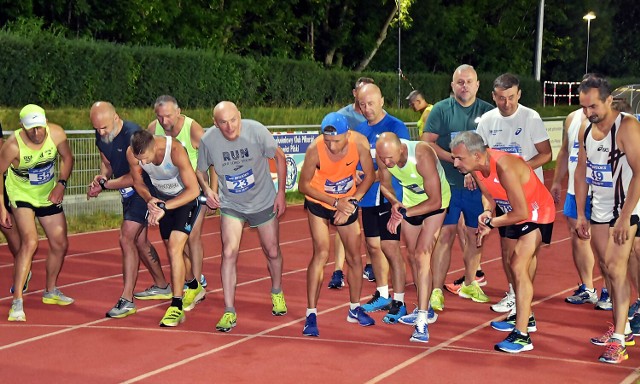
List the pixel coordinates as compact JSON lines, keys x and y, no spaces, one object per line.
{"x":337,"y":121}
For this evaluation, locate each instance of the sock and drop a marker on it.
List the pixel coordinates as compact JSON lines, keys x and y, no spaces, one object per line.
{"x":593,"y":290}
{"x":618,"y":337}
{"x":354,"y":305}
{"x":384,"y":291}
{"x":230,"y":309}
{"x":276,"y":291}
{"x":398,"y":297}
{"x":176,"y":302}
{"x":193,"y":284}
{"x":311,"y":310}
{"x":627,"y":328}
{"x":511,"y":291}
{"x":422,"y":316}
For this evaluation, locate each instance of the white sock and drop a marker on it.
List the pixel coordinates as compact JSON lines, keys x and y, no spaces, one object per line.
{"x":511,"y":291}
{"x":354,"y":305}
{"x":618,"y":337}
{"x":311,"y":310}
{"x":384,"y":291}
{"x":398,"y":297}
{"x":422,"y":316}
{"x":627,"y":328}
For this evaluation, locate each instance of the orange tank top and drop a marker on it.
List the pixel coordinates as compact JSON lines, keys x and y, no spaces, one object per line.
{"x":335,"y":178}
{"x":539,"y":200}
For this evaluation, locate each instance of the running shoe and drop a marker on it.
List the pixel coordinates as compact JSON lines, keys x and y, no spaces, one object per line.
{"x":192,"y":297}
{"x":633,"y":309}
{"x":311,"y":326}
{"x":397,"y":310}
{"x":411,"y":318}
{"x":507,"y":303}
{"x":457,"y":284}
{"x":26,"y":284}
{"x":358,"y":315}
{"x":227,"y":321}
{"x":437,"y":299}
{"x":16,"y":313}
{"x":337,"y":280}
{"x":615,"y":353}
{"x":279,"y":305}
{"x":516,"y":342}
{"x":123,"y":308}
{"x":155,"y":293}
{"x":368,"y":274}
{"x":473,"y":292}
{"x":604,"y":339}
{"x":420,"y":333}
{"x":635,"y":324}
{"x":604,"y":304}
{"x":203,"y":281}
{"x":56,"y":297}
{"x":172,"y":317}
{"x":582,"y":295}
{"x":377,"y":303}
{"x":509,"y":324}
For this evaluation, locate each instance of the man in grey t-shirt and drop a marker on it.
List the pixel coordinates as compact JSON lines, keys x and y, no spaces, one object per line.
{"x":235,"y":152}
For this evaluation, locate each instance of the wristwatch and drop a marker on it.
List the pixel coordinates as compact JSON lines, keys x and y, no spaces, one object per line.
{"x":354,"y":201}
{"x":487,"y":222}
{"x":403,"y":212}
{"x":162,"y":206}
{"x":63,"y":182}
{"x":102,"y":183}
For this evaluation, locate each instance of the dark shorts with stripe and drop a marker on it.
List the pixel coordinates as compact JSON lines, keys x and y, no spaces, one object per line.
{"x":374,"y":222}
{"x":180,"y":219}
{"x":49,"y":210}
{"x":134,"y":209}
{"x":323,"y":212}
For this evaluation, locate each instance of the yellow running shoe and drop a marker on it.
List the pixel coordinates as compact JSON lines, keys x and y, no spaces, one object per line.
{"x":193,"y":297}
{"x":16,"y":313}
{"x":56,"y":297}
{"x":172,"y":317}
{"x":437,"y":299}
{"x":227,"y":321}
{"x":279,"y":305}
{"x":473,"y":292}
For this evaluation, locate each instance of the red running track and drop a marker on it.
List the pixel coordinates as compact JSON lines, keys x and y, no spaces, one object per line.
{"x":77,"y":344}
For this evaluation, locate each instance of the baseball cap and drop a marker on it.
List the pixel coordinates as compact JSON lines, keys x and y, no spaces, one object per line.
{"x":337,"y":121}
{"x":32,"y":116}
{"x":413,"y":95}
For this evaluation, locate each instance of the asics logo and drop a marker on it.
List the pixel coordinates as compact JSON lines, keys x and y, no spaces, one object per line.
{"x":602,"y":148}
{"x":495,"y":180}
{"x":518,"y":131}
{"x":525,"y":228}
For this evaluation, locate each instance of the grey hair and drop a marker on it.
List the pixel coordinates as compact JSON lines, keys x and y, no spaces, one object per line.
{"x":471,"y":140}
{"x":464,"y":67}
{"x":506,"y":81}
{"x":165,"y":99}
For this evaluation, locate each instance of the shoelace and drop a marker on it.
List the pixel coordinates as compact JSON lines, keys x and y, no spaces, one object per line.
{"x":374,"y":298}
{"x":613,"y":351}
{"x":607,"y":335}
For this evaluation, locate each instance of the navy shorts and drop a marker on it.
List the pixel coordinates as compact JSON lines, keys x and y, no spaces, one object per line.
{"x":180,"y":219}
{"x":323,"y":212}
{"x":374,"y":222}
{"x":134,"y":209}
{"x":467,"y":202}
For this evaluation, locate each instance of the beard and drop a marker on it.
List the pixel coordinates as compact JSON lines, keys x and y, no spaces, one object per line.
{"x":108,"y":139}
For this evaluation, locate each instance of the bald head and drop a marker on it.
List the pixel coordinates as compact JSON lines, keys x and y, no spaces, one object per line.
{"x":371,"y":103}
{"x":389,"y":149}
{"x":224,"y":107}
{"x":105,"y":120}
{"x":100,"y":108}
{"x":227,"y":118}
{"x":370,"y":89}
{"x":465,"y":85}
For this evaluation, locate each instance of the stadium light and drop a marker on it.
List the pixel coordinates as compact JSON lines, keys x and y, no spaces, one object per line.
{"x":589,"y":16}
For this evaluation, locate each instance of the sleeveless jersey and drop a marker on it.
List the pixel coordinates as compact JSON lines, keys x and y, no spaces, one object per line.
{"x":184,"y":137}
{"x":608,"y":174}
{"x":34,"y":178}
{"x":335,"y":178}
{"x":413,"y":182}
{"x":539,"y":201}
{"x":572,"y":148}
{"x":166,"y":176}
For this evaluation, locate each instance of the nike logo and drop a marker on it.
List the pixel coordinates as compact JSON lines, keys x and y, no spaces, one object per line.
{"x":348,"y":164}
{"x":383,"y":213}
{"x":495,"y":180}
{"x":119,"y":149}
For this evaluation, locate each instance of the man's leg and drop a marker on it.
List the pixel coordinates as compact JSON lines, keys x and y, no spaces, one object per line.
{"x":582,"y":255}
{"x":525,"y":249}
{"x":25,"y":224}
{"x":175,"y":249}
{"x":337,"y":278}
{"x":231,"y":234}
{"x":55,"y":227}
{"x":130,"y":261}
{"x":149,"y":257}
{"x":195,"y":251}
{"x":270,"y":240}
{"x":319,"y":228}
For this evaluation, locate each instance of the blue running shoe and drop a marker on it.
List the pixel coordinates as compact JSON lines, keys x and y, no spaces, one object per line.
{"x":203,"y":281}
{"x":582,"y":295}
{"x":420,"y":333}
{"x":359,"y":316}
{"x":26,"y":284}
{"x":633,"y":309}
{"x":367,"y":273}
{"x":337,"y":280}
{"x":377,"y":303}
{"x":311,"y":326}
{"x":398,"y":309}
{"x":604,"y":304}
{"x":516,"y":342}
{"x":635,"y":324}
{"x":509,"y":324}
{"x":411,"y":318}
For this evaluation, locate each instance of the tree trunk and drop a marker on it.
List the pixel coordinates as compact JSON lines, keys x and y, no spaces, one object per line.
{"x":383,"y":35}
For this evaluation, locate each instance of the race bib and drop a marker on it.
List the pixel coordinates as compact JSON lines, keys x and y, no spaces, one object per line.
{"x":240,"y":183}
{"x":39,"y":176}
{"x":599,"y":175}
{"x":504,"y":205}
{"x":126,"y":192}
{"x":415,"y":188}
{"x":513,"y":149}
{"x":339,"y":187}
{"x":171,"y":187}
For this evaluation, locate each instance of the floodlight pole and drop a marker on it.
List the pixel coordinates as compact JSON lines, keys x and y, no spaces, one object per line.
{"x":538,"y":64}
{"x":589,"y":16}
{"x":399,"y":57}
